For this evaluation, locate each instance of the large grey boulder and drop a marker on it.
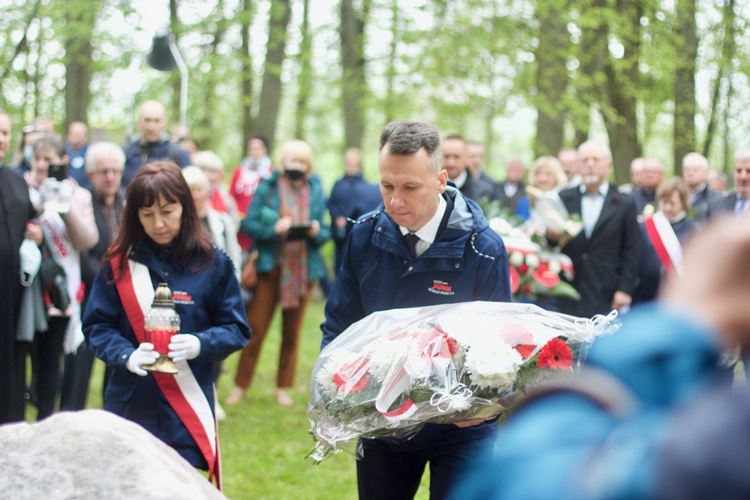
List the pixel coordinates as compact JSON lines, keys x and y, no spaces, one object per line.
{"x":93,"y":454}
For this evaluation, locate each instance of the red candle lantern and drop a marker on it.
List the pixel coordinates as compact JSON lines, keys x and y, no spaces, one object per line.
{"x":161,"y":322}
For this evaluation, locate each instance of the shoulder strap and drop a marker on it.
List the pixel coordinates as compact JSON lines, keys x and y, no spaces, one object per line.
{"x":594,"y":384}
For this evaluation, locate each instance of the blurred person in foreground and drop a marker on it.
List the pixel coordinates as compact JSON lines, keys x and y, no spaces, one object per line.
{"x":286,"y":222}
{"x":65,"y":227}
{"x":16,"y":211}
{"x":429,"y":245}
{"x":350,"y":197}
{"x":161,"y":240}
{"x":105,"y":163}
{"x":648,"y":415}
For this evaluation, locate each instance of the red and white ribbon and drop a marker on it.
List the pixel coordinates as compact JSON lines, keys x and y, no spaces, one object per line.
{"x":665,"y":242}
{"x":182,"y":390}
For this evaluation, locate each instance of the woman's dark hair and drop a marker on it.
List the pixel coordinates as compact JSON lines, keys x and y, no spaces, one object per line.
{"x":192,"y":247}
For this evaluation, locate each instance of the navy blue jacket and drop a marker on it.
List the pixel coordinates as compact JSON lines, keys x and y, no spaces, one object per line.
{"x":466,"y":262}
{"x":212,"y":310}
{"x":138,"y":154}
{"x":351,"y":197}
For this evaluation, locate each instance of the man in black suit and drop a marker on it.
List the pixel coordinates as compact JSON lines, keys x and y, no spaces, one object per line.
{"x":105,"y":164}
{"x":15,"y":211}
{"x":456,"y":163}
{"x":737,"y":200}
{"x":606,"y":253}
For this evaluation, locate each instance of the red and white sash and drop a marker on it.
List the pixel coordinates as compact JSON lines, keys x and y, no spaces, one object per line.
{"x":665,"y":242}
{"x":182,"y":390}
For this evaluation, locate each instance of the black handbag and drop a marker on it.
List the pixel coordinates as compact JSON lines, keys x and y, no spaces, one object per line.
{"x":53,"y":280}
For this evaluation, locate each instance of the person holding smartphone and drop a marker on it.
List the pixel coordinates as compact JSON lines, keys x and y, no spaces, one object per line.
{"x":285,"y":220}
{"x":64,"y":227}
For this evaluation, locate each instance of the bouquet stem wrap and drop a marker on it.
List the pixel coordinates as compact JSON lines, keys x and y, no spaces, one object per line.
{"x":393,"y":371}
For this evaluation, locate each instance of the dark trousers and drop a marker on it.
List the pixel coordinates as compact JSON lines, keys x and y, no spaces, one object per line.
{"x":45,"y":361}
{"x":259,"y":316}
{"x":76,"y":376}
{"x":385,"y":474}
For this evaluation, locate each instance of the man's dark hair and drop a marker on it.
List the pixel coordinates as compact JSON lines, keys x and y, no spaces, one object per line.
{"x":262,"y":138}
{"x":456,"y":137}
{"x":408,"y":137}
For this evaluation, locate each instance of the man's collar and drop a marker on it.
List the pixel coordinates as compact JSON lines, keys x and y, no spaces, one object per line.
{"x":428,"y":232}
{"x":601,"y":191}
{"x":461,"y":179}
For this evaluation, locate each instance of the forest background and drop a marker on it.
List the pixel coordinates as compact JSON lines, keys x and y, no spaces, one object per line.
{"x":524,"y":78}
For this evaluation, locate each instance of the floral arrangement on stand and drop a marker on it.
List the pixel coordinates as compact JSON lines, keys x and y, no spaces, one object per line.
{"x":394,"y":371}
{"x":535,"y":268}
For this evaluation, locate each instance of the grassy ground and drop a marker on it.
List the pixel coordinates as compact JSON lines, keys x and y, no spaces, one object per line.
{"x":263,"y":445}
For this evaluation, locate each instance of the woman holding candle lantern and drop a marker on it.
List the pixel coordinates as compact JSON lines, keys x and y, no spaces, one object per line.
{"x":161,"y":240}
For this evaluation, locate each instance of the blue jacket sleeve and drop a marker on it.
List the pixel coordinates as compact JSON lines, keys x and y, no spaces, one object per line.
{"x":344,"y":304}
{"x":230,"y":331}
{"x":105,"y":325}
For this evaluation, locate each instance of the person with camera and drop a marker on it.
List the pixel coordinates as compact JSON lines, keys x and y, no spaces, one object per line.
{"x":64,"y":227}
{"x":285,"y":220}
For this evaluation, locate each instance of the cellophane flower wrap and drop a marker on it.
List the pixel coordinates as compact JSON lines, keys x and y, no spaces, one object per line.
{"x":393,"y":371}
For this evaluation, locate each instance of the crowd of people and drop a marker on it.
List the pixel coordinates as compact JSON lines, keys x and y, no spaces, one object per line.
{"x":93,"y":229}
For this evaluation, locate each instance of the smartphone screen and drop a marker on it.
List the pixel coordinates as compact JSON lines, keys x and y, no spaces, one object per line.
{"x":58,"y":171}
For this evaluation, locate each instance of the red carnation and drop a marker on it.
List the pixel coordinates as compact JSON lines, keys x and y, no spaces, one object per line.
{"x":350,"y":378}
{"x":555,"y":355}
{"x":544,"y":276}
{"x":525,"y":350}
{"x":515,"y":279}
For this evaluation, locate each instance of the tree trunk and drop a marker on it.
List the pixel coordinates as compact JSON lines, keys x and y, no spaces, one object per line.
{"x":622,"y":81}
{"x":592,"y":51}
{"x":353,"y":81}
{"x":204,"y":134}
{"x":80,"y":20}
{"x":723,"y":73}
{"x":246,"y":73}
{"x":270,"y":93}
{"x":684,"y":83}
{"x":389,"y":107}
{"x":304,"y":81}
{"x":551,"y":57}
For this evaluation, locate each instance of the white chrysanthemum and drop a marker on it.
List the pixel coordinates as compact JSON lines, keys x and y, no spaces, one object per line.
{"x":386,"y":357}
{"x":515,"y":259}
{"x":493,"y":366}
{"x":532,"y":260}
{"x":554,"y":266}
{"x":324,"y":377}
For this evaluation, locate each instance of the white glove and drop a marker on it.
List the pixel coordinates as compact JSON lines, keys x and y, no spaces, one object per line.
{"x":183,"y":347}
{"x":49,"y":189}
{"x":144,"y":355}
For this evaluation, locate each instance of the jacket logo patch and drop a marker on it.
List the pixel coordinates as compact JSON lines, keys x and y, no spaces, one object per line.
{"x":440,"y":287}
{"x":182,"y":298}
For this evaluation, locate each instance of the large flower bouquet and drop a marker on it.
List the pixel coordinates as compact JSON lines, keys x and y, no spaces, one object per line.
{"x":535,"y":268}
{"x":393,"y":371}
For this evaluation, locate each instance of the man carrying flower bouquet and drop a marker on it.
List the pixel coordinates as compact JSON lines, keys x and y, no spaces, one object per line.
{"x":427,"y":245}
